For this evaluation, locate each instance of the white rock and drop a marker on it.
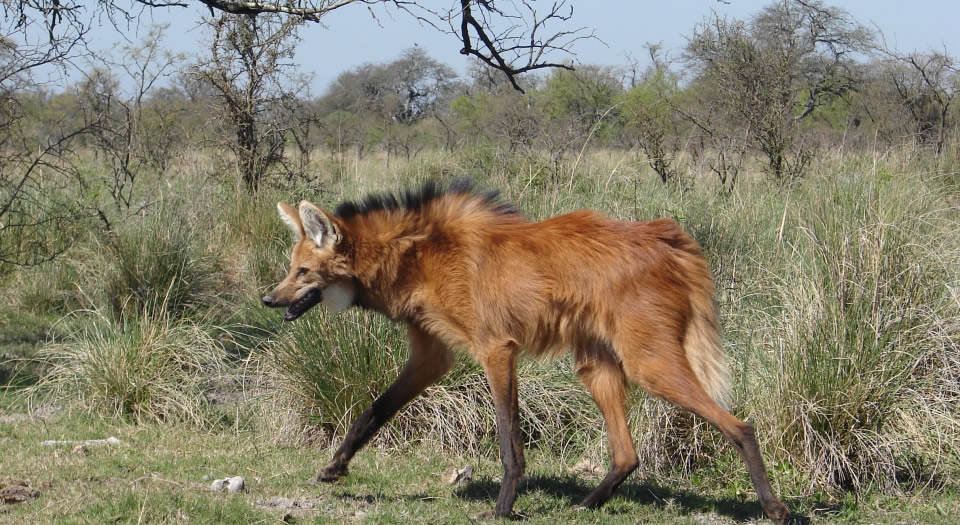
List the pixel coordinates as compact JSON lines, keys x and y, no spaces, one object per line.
{"x":235,"y":484}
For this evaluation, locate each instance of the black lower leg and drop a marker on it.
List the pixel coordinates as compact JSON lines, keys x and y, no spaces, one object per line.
{"x":750,"y":451}
{"x":511,"y":455}
{"x":363,"y":429}
{"x":423,"y":368}
{"x":610,"y":482}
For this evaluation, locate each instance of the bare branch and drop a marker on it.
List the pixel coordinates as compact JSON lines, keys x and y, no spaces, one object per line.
{"x":925,"y":85}
{"x":311,"y":11}
{"x":513,"y":37}
{"x":514,"y":42}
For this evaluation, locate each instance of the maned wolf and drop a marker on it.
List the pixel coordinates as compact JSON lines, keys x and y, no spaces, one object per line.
{"x":632,"y":300}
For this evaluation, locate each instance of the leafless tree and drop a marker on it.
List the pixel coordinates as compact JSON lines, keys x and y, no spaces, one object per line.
{"x":39,"y":205}
{"x":769,"y":74}
{"x":647,"y":111}
{"x":922,"y":87}
{"x":251,"y":72}
{"x":579,"y":106}
{"x":511,"y":37}
{"x":132,"y":134}
{"x":36,"y":211}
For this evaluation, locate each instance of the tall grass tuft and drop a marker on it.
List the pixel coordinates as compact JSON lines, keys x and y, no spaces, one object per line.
{"x":331,"y":369}
{"x":861,"y":302}
{"x":145,"y":368}
{"x":252,"y":241}
{"x":158,"y":260}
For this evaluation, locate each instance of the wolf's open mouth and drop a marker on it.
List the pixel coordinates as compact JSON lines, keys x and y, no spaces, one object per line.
{"x":303,"y":304}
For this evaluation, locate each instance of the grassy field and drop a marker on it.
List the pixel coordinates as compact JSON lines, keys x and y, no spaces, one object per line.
{"x":839,"y":295}
{"x":163,"y":473}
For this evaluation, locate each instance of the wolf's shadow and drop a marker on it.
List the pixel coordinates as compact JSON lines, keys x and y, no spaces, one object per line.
{"x":574,"y":489}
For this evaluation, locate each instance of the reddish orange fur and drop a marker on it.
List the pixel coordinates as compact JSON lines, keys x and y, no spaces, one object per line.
{"x":480,"y":280}
{"x":633,"y":300}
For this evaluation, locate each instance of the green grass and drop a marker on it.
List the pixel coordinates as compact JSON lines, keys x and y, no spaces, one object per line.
{"x":328,"y":380}
{"x":159,"y":264}
{"x":331,"y":369}
{"x":22,"y":334}
{"x":162,"y":474}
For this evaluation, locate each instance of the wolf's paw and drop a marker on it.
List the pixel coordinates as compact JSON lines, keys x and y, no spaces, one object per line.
{"x":329,"y":474}
{"x":778,"y":513}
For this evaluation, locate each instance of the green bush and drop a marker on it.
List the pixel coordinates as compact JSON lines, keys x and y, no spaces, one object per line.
{"x":333,"y":368}
{"x":860,"y":303}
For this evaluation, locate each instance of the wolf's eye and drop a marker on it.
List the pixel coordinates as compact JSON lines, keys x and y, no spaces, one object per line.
{"x":301,"y":271}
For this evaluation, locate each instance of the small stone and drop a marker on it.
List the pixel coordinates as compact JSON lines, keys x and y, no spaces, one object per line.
{"x":81,"y":450}
{"x":458,"y":476}
{"x":235,"y":484}
{"x":218,"y":485}
{"x":586,"y":467}
{"x":18,"y":494}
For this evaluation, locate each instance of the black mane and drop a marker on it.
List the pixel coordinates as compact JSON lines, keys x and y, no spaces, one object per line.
{"x":416,"y":199}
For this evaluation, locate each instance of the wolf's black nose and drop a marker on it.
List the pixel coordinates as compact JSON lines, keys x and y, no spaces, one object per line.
{"x":267,"y":300}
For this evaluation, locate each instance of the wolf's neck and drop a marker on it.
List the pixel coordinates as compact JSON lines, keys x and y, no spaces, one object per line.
{"x":388,"y":273}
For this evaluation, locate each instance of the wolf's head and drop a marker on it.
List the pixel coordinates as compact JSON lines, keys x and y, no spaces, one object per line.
{"x":319,"y":272}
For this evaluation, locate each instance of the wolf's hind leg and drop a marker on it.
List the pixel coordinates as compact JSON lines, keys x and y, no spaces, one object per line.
{"x":429,"y":361}
{"x":669,"y":377}
{"x":600,"y":371}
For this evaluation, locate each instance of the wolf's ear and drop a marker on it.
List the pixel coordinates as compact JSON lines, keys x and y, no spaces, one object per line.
{"x":318,"y":225}
{"x":292,"y":218}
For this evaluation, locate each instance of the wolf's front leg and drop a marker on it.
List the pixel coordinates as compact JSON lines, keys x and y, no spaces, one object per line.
{"x":429,"y":361}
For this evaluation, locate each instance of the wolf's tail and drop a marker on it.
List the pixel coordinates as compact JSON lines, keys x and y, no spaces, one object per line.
{"x":703,"y":346}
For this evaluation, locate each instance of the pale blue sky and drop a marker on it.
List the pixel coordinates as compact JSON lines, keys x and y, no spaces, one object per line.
{"x":351,"y":37}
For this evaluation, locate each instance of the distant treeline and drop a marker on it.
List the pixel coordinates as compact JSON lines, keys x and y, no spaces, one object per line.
{"x":772,"y":92}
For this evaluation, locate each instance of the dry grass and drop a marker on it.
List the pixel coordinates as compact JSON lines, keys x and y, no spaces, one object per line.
{"x":144,"y":368}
